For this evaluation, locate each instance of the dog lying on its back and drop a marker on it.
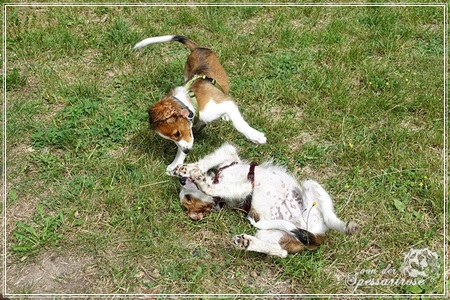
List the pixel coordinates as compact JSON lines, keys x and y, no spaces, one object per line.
{"x":202,"y":99}
{"x":290,"y":217}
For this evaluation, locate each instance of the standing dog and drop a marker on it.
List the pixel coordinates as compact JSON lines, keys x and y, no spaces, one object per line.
{"x":290,"y":217}
{"x":202,"y":99}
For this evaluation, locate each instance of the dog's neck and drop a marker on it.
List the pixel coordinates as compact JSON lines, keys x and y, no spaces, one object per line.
{"x":181,"y":96}
{"x":243,"y":205}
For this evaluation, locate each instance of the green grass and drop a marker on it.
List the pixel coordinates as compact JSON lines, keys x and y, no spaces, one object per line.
{"x":350,"y":96}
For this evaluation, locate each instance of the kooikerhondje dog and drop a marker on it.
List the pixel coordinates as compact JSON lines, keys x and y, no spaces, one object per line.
{"x":202,"y":99}
{"x":290,"y":217}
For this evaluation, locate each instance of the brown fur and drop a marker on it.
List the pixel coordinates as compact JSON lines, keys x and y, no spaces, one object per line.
{"x":195,"y":207}
{"x":292,"y":245}
{"x":253,"y":214}
{"x":166,"y":117}
{"x":204,"y":61}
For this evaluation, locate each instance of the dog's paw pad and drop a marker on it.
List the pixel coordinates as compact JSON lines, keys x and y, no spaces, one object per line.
{"x":196,"y":174}
{"x":241,"y":241}
{"x":180,"y":171}
{"x":351,"y":228}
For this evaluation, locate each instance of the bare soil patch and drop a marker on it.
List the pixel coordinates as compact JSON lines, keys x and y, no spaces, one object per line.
{"x":53,"y":273}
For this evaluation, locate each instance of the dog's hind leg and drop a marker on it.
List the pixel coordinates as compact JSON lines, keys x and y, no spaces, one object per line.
{"x":251,"y":243}
{"x":316,"y":192}
{"x":232,"y":111}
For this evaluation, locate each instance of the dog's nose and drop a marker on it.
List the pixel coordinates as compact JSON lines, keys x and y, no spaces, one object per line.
{"x":183,"y":180}
{"x":186,"y":150}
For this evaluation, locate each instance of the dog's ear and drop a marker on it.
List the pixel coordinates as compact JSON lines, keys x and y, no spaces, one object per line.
{"x":184,"y":113}
{"x":161,"y":111}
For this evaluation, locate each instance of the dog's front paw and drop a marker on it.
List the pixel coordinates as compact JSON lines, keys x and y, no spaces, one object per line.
{"x":196,"y":174}
{"x":181,"y":171}
{"x":170,"y":170}
{"x":257,"y":137}
{"x":241,"y":241}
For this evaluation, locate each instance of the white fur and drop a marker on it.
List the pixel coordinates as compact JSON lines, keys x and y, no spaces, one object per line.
{"x":281,"y":203}
{"x":153,"y":40}
{"x":181,"y":154}
{"x":229,"y":111}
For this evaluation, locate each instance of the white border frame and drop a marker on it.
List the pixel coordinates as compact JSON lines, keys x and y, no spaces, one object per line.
{"x":4,"y":181}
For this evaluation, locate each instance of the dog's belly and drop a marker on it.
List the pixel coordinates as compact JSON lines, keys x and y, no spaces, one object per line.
{"x":277,"y":197}
{"x":285,"y":210}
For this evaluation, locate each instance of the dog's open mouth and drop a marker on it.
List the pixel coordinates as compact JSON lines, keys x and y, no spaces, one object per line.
{"x":187,"y":181}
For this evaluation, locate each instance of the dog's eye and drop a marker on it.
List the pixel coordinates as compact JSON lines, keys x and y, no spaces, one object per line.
{"x":176,"y":134}
{"x":188,"y":199}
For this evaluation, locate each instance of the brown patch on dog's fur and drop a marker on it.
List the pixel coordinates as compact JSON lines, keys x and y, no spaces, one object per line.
{"x":205,"y":92}
{"x":196,"y":208}
{"x":164,"y":111}
{"x":165,"y":117}
{"x":292,"y":245}
{"x":203,"y":61}
{"x":318,"y":240}
{"x":253,"y":214}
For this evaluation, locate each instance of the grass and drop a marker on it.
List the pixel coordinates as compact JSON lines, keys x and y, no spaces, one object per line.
{"x":350,"y":96}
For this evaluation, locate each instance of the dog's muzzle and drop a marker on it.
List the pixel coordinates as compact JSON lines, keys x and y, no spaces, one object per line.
{"x":183,"y":180}
{"x":186,"y":150}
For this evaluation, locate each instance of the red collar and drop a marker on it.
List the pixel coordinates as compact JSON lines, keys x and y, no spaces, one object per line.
{"x":251,"y":174}
{"x":216,"y":176}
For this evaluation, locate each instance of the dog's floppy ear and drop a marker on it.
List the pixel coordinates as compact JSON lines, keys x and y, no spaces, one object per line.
{"x":161,"y":111}
{"x":185,"y":113}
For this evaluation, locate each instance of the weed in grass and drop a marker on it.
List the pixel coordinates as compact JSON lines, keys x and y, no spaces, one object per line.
{"x":42,"y":233}
{"x":14,"y":80}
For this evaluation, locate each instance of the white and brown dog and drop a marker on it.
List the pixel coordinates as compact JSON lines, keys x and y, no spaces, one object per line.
{"x":202,"y":99}
{"x":290,"y":217}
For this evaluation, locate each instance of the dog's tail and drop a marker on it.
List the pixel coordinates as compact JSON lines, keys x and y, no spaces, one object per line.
{"x":167,"y":38}
{"x":304,"y":236}
{"x":315,"y":192}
